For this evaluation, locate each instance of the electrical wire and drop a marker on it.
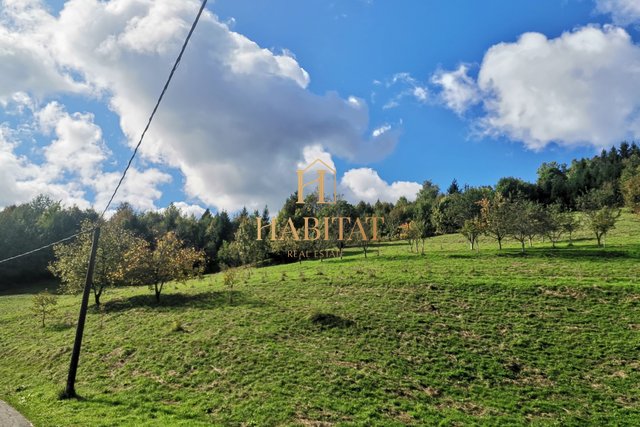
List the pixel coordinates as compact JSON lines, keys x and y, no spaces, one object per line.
{"x":153,"y":113}
{"x":44,"y":247}
{"x":135,"y":151}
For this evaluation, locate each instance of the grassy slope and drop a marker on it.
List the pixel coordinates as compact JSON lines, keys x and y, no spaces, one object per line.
{"x":552,"y":338}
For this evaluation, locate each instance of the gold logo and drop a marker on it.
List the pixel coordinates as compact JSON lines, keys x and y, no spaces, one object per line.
{"x":320,"y":180}
{"x":348,"y":229}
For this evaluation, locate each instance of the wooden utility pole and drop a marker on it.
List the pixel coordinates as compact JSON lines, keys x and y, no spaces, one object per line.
{"x":70,"y":390}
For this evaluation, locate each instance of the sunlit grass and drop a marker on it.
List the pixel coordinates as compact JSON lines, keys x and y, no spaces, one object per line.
{"x":550,"y":337}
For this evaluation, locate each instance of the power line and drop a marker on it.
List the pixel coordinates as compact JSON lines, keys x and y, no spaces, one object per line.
{"x":44,"y":247}
{"x":135,"y":151}
{"x":153,"y":113}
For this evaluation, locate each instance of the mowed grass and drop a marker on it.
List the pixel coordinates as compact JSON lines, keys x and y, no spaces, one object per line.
{"x":453,"y":337}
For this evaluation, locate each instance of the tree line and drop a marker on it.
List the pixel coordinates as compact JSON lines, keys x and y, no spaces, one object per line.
{"x":596,"y":188}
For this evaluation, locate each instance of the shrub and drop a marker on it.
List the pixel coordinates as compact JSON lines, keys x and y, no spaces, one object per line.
{"x":44,"y":304}
{"x":229,"y":280}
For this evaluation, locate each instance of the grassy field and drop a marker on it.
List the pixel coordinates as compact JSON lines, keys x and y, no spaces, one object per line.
{"x":453,"y":337}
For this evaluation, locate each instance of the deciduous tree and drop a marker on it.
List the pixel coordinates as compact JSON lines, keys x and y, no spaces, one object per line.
{"x":112,"y":259}
{"x":472,"y":229}
{"x":496,"y":216}
{"x":601,"y":221}
{"x":168,"y":261}
{"x":630,"y":183}
{"x":553,"y":223}
{"x":570,"y":224}
{"x":523,"y":220}
{"x":600,"y":216}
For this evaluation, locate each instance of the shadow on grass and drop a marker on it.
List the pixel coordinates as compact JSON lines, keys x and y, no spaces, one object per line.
{"x":8,"y":288}
{"x":60,"y":326}
{"x":592,"y":252}
{"x":575,"y":253}
{"x":470,"y":254}
{"x":204,"y":300}
{"x":328,"y":320}
{"x":372,"y":255}
{"x":62,"y":395}
{"x":572,"y":253}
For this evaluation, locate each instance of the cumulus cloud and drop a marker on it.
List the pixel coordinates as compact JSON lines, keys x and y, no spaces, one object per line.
{"x":359,"y":184}
{"x":237,"y":118}
{"x":313,"y":153}
{"x":72,"y":165}
{"x":78,"y":146}
{"x":17,"y":104}
{"x":458,"y":89}
{"x":21,"y":180}
{"x":189,"y":209}
{"x":623,"y":12}
{"x":13,"y":169}
{"x":580,"y":88}
{"x":365,"y":184}
{"x":140,"y":189}
{"x":27,"y":63}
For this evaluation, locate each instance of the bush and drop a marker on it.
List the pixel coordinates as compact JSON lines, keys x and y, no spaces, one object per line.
{"x":229,"y":280}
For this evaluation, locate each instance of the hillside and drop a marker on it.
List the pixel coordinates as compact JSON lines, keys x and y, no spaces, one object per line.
{"x":549,"y":337}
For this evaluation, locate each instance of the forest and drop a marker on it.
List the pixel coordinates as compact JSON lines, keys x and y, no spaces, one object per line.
{"x":587,"y":193}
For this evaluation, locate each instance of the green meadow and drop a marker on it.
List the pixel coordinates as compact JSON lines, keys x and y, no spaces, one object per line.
{"x":451,"y":337}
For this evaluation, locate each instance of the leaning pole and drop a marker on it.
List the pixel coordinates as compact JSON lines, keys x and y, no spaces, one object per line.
{"x":70,"y":390}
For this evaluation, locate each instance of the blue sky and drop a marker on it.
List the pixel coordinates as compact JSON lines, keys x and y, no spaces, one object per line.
{"x":346,"y":45}
{"x":393,"y":92}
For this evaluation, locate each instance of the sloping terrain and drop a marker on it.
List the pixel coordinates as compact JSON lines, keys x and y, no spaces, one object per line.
{"x":551,"y":337}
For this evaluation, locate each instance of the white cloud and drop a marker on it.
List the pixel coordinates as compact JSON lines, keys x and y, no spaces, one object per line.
{"x":313,"y":153}
{"x":580,"y":88}
{"x":13,"y":169}
{"x":189,"y":209}
{"x":26,"y":61}
{"x":365,"y":184}
{"x":381,"y":130}
{"x":402,"y":77}
{"x":21,"y":180}
{"x":79,"y":150}
{"x":362,"y":183}
{"x":72,"y":165}
{"x":409,"y":87}
{"x":78,"y":147}
{"x":237,"y":117}
{"x":458,"y":89}
{"x":420,"y":93}
{"x":356,"y":102}
{"x":391,"y":104}
{"x":139,"y":189}
{"x":623,"y":12}
{"x":236,"y":120}
{"x":17,"y":104}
